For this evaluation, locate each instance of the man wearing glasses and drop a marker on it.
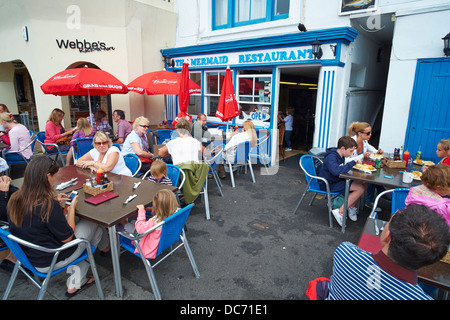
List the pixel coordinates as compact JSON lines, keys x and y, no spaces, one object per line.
{"x":123,"y":126}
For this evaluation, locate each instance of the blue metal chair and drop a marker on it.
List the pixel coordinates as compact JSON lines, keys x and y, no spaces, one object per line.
{"x":14,"y":244}
{"x":118,"y":145}
{"x":84,"y":145}
{"x":162,"y":135}
{"x":13,"y":157}
{"x":242,"y":158}
{"x":306,"y":163}
{"x":172,"y":231}
{"x":41,"y":138}
{"x":397,"y":203}
{"x":213,"y":163}
{"x":133,"y":163}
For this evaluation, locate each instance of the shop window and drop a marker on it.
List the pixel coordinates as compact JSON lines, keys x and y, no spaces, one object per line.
{"x":195,"y":100}
{"x":214,"y":82}
{"x":235,"y":13}
{"x":254,"y":96}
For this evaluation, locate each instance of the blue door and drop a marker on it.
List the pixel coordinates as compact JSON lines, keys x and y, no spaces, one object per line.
{"x":429,"y":115}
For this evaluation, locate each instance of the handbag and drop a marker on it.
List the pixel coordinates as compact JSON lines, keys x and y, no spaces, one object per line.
{"x":337,"y":201}
{"x":145,"y":160}
{"x":64,"y":140}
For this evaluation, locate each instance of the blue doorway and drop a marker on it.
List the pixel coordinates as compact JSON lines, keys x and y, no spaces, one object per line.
{"x":429,"y":114}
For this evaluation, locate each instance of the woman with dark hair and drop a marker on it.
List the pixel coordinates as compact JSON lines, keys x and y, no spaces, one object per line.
{"x":36,"y":214}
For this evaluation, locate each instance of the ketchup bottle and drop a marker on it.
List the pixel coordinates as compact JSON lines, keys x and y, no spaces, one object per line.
{"x":100,"y":176}
{"x":406,"y":156}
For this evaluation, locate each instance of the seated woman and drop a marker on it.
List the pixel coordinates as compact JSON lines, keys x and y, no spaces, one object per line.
{"x":100,"y":123}
{"x":104,"y":155}
{"x":136,"y":142}
{"x":19,"y":137}
{"x":229,"y":151}
{"x":54,"y":131}
{"x":361,"y":133}
{"x":186,"y":154}
{"x":36,"y":214}
{"x":84,"y":130}
{"x":184,"y":148}
{"x":434,"y":192}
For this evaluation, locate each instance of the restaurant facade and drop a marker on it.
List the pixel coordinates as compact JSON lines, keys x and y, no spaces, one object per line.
{"x":42,"y":38}
{"x":368,"y":67}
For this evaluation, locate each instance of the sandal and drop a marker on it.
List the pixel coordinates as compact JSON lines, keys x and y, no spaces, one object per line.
{"x":88,"y":283}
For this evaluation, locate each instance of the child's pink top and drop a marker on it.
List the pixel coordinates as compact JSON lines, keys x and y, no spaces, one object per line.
{"x":149,"y":244}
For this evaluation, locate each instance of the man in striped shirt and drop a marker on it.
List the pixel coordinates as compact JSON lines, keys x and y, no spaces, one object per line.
{"x":414,"y":237}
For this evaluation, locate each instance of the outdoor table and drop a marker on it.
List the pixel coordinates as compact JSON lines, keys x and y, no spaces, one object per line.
{"x":378,"y":177}
{"x":436,"y":275}
{"x":111,"y":212}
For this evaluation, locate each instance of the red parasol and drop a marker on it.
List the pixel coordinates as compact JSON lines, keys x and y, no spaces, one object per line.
{"x":83,"y":82}
{"x":227,"y":108}
{"x":183,"y":95}
{"x":160,"y":82}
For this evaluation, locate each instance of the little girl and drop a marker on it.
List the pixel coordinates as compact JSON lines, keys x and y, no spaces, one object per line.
{"x":443,"y":151}
{"x":164,"y":204}
{"x":434,"y":191}
{"x":158,"y":173}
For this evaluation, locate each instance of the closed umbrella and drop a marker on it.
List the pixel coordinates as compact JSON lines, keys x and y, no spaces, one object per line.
{"x":83,"y":82}
{"x":227,"y":108}
{"x":183,"y":95}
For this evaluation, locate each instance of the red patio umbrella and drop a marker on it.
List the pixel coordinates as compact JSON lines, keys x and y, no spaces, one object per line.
{"x":183,"y":95}
{"x":227,"y":108}
{"x":160,"y":82}
{"x":83,"y":82}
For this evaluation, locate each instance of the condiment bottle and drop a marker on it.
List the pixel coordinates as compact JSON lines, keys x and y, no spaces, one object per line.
{"x":100,"y":176}
{"x":406,"y":156}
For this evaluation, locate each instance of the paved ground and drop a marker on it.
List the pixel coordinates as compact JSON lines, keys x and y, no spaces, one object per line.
{"x":252,"y":248}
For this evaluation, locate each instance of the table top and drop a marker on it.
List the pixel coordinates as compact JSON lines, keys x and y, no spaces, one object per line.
{"x":378,"y":177}
{"x":112,"y":211}
{"x":69,"y":172}
{"x":437,"y":274}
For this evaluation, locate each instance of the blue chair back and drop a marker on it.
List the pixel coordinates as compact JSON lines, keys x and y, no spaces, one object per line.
{"x":307,"y":163}
{"x":132,"y":162}
{"x":16,"y":249}
{"x":242,"y":152}
{"x":164,"y":134}
{"x":31,"y":132}
{"x":84,"y":145}
{"x":398,"y":199}
{"x":40,"y":136}
{"x":117,"y":145}
{"x":173,"y":173}
{"x":172,"y":228}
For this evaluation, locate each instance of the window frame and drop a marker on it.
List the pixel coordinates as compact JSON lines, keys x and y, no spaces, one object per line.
{"x":231,"y":23}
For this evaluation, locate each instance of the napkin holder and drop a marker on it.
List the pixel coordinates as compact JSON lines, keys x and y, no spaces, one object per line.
{"x":98,"y":189}
{"x":395,"y":164}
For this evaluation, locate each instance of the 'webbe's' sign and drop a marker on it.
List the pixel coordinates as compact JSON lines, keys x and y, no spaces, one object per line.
{"x":83,"y":46}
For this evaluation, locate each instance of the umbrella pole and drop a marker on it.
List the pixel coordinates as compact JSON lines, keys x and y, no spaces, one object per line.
{"x":90,"y":111}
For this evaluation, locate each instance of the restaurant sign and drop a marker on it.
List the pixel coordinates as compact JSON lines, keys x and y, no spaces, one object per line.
{"x":83,"y":46}
{"x":256,"y":57}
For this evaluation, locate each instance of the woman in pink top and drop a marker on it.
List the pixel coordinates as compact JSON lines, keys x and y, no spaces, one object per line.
{"x":164,"y":205}
{"x":19,"y":136}
{"x":55,"y":131}
{"x":434,"y":192}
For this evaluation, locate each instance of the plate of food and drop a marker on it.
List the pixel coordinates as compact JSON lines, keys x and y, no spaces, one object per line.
{"x":420,"y":162}
{"x":374,"y":156}
{"x":416,"y":175}
{"x":364,"y":167}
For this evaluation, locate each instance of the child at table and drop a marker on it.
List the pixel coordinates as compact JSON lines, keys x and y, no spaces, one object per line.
{"x":334,"y":165}
{"x":443,"y":151}
{"x":164,"y":204}
{"x":434,"y":191}
{"x":158,"y":173}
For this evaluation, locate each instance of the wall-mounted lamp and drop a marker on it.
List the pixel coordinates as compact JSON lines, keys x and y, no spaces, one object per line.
{"x":333,"y":48}
{"x":317,"y":49}
{"x":169,"y":61}
{"x":447,"y":44}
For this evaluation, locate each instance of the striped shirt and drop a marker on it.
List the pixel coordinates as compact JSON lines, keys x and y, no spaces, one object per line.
{"x":359,"y":275}
{"x":164,"y":180}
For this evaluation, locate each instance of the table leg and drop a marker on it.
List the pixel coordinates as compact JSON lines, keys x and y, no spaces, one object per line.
{"x":115,"y":260}
{"x":344,"y":214}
